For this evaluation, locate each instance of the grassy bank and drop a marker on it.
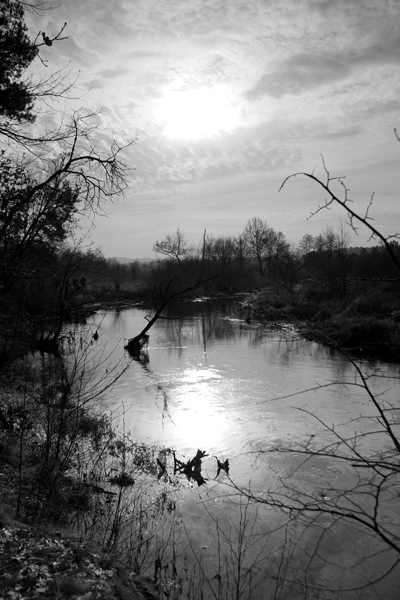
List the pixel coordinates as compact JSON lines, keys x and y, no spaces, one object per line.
{"x":368,"y":323}
{"x":79,"y":499}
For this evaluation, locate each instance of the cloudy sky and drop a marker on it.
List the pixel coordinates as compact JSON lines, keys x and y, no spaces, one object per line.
{"x":228,"y":97}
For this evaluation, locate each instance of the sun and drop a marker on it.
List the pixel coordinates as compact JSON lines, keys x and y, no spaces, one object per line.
{"x":197,"y":113}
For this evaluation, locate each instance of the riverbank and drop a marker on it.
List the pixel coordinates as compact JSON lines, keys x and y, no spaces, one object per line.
{"x":37,"y":563}
{"x":364,"y":326}
{"x":46,"y":559}
{"x":65,"y":472}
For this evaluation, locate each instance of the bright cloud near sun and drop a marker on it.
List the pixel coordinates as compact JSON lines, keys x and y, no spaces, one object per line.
{"x":197,"y":113}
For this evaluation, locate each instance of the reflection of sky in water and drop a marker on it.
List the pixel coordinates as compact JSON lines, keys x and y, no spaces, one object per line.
{"x":199,"y":375}
{"x":198,"y":411}
{"x":213,"y":383}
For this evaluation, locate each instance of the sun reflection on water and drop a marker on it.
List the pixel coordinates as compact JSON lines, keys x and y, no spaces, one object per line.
{"x":200,"y":410}
{"x":199,"y":375}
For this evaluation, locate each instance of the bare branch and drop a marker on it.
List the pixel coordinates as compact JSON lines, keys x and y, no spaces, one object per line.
{"x":354,"y":217}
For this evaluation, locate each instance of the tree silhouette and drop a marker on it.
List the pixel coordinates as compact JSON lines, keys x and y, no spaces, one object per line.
{"x":16,"y":54}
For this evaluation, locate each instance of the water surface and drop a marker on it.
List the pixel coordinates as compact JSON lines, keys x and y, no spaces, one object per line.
{"x":217,"y":383}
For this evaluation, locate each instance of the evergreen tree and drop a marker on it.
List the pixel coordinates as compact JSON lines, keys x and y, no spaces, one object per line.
{"x":16,"y":54}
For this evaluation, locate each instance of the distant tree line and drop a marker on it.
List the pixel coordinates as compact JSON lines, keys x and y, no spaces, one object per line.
{"x":350,"y":294}
{"x":262,"y":257}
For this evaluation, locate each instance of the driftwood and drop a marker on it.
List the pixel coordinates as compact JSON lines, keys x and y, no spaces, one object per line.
{"x":192,"y":468}
{"x":137,"y":345}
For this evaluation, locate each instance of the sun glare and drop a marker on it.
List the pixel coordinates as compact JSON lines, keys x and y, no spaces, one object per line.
{"x":197,"y":113}
{"x":200,"y":415}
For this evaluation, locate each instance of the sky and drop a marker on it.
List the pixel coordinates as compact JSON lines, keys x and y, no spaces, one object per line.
{"x":227,"y":98}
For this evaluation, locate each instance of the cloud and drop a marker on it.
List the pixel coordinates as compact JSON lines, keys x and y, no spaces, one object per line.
{"x":299,"y":74}
{"x":111,"y":73}
{"x":330,"y":42}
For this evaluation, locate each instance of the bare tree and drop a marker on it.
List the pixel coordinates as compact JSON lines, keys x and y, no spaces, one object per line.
{"x":34,"y":199}
{"x":175,"y":246}
{"x":255,"y":233}
{"x":75,"y":156}
{"x":306,"y":246}
{"x":264,"y":244}
{"x":354,"y":218}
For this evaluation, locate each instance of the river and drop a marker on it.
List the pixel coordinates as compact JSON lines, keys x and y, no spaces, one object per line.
{"x":236,"y":390}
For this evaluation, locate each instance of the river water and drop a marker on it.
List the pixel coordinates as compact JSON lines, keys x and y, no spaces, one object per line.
{"x":236,"y":390}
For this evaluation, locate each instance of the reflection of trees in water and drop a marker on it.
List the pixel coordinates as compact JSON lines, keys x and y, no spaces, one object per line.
{"x":202,"y":327}
{"x":191,"y":330}
{"x":118,"y":321}
{"x":210,"y":319}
